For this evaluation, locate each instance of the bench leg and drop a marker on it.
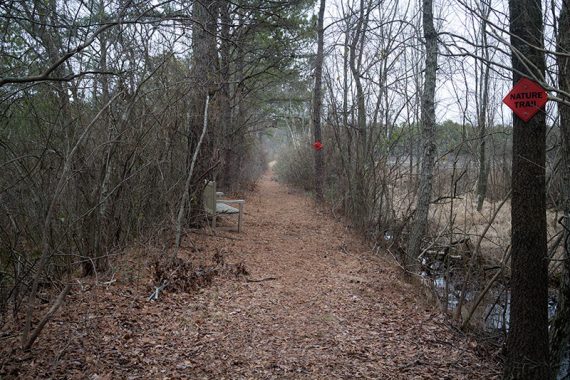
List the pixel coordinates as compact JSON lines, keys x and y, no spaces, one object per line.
{"x":239,"y":216}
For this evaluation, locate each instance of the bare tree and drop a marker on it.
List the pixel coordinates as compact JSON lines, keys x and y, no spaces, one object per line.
{"x":317,"y":104}
{"x":428,"y":136}
{"x":483,"y":106}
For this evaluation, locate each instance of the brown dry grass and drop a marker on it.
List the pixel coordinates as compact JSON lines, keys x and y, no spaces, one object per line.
{"x":466,"y":221}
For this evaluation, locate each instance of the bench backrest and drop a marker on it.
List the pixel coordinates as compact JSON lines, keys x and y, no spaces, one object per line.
{"x":209,"y":197}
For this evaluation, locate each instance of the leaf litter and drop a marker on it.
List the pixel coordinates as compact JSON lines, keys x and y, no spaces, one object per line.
{"x":295,"y":295}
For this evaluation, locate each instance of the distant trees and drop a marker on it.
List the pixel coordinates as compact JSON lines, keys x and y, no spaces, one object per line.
{"x":365,"y":82}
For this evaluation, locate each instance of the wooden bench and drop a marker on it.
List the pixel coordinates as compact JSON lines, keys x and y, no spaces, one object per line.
{"x":215,"y":206}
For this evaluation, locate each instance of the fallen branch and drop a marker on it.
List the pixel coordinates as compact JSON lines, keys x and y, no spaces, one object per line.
{"x":199,"y":232}
{"x":475,"y":254}
{"x":262,"y":279}
{"x":501,"y":267}
{"x":156,"y":293}
{"x":46,"y":318}
{"x":482,"y":295}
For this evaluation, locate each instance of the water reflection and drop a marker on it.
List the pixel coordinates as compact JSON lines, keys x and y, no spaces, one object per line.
{"x":494,"y":311}
{"x":495,"y":308}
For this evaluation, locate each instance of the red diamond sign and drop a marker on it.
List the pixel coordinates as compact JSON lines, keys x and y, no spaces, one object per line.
{"x":318,"y":145}
{"x":526,"y":99}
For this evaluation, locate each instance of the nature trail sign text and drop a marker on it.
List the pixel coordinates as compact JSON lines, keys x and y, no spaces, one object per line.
{"x":526,"y":99}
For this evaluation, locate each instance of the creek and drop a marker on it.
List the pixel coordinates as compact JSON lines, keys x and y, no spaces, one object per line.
{"x":494,"y":311}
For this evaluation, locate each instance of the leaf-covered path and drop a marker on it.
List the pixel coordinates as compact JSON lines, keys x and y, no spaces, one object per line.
{"x":326,"y":308}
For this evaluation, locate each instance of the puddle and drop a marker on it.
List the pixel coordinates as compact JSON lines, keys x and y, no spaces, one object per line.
{"x":493,"y":312}
{"x":497,"y":314}
{"x":446,"y":270}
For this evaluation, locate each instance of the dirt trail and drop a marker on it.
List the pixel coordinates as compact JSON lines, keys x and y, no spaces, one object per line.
{"x":327,"y":308}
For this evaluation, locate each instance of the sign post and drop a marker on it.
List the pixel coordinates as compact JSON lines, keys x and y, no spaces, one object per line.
{"x":526,"y":99}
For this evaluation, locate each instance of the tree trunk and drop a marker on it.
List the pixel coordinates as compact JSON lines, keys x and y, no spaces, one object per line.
{"x":359,"y":197}
{"x":239,"y":117}
{"x":101,"y":226}
{"x":348,"y":201}
{"x":560,"y":330}
{"x":428,"y":135}
{"x":482,"y":115}
{"x":225,"y":99}
{"x":186,"y":190}
{"x":317,"y":103}
{"x":527,"y":341}
{"x":204,"y":60}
